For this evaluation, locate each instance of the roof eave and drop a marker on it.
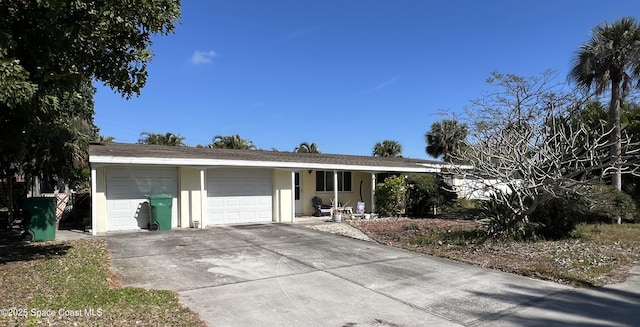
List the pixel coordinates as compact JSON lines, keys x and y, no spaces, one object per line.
{"x":98,"y":160}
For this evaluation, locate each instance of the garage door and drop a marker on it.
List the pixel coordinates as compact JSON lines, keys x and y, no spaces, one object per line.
{"x":239,"y":196}
{"x":126,"y":190}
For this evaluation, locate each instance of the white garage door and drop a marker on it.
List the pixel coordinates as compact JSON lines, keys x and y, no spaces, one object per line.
{"x":126,"y":190}
{"x":239,"y":196}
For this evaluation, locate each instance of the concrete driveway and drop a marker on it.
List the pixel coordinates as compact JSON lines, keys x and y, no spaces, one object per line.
{"x":287,"y":275}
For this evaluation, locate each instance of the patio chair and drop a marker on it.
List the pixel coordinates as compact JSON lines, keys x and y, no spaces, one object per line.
{"x":321,"y":208}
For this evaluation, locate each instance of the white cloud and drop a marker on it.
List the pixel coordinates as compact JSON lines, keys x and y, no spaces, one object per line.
{"x":203,"y":57}
{"x":382,"y":85}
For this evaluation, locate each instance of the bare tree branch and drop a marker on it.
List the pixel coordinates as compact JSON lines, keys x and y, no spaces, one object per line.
{"x":523,"y":140}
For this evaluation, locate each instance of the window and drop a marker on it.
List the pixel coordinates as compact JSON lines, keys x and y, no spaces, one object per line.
{"x":324,"y":181}
{"x":297,"y":186}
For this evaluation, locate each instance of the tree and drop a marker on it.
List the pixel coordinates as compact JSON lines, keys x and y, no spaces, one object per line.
{"x":51,"y":52}
{"x":58,"y":149}
{"x":387,"y":148}
{"x":610,"y":61}
{"x":161,"y":139}
{"x":424,"y":191}
{"x":525,"y":153}
{"x":391,"y":196}
{"x":105,"y":139}
{"x":446,"y":138}
{"x":53,"y":43}
{"x":305,"y":147}
{"x":231,"y":142}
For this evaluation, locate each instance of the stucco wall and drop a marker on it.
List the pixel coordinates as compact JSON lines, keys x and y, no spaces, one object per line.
{"x":190,"y":196}
{"x":100,"y":202}
{"x":365,"y":179}
{"x":308,"y":191}
{"x":353,"y":197}
{"x":282,"y":196}
{"x":476,"y":189}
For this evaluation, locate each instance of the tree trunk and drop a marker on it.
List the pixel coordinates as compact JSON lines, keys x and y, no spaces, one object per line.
{"x":10,"y":198}
{"x":614,"y":123}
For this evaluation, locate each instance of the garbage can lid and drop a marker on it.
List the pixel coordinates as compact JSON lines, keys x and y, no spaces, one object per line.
{"x":159,"y":196}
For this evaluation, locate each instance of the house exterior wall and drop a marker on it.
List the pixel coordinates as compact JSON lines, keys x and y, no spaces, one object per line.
{"x":476,"y":189}
{"x":352,"y":197}
{"x":282,"y":196}
{"x":100,"y":202}
{"x":308,"y":191}
{"x":364,"y":179}
{"x":190,"y":197}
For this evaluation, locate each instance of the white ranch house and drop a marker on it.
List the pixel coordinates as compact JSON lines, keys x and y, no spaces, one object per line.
{"x":221,"y":186}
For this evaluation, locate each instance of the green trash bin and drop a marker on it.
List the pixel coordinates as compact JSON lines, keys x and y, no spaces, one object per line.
{"x":40,"y":218}
{"x":160,"y":209}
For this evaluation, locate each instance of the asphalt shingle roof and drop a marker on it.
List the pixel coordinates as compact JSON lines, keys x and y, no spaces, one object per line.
{"x":98,"y":151}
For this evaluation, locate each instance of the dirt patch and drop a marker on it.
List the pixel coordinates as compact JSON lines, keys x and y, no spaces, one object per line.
{"x":598,"y":255}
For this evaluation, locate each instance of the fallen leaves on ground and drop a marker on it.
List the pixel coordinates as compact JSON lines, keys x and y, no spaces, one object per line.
{"x":600,"y":254}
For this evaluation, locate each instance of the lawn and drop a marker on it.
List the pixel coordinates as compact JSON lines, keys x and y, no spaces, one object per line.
{"x":597,"y":255}
{"x":69,"y":284}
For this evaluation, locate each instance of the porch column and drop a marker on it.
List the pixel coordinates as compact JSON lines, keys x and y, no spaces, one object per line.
{"x":373,"y":192}
{"x":94,"y":201}
{"x":335,"y":189}
{"x":293,"y":197}
{"x":203,"y":199}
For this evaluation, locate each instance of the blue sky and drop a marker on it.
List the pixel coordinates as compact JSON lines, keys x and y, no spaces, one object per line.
{"x":343,"y":74}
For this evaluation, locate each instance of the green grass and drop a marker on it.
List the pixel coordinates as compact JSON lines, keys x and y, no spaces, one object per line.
{"x":65,"y":281}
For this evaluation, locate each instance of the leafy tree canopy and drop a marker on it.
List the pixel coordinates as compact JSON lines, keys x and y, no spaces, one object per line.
{"x":305,"y":147}
{"x":610,"y":60}
{"x":50,"y":52}
{"x":387,"y":148}
{"x":446,"y":139}
{"x":161,"y":139}
{"x":231,"y":142}
{"x":55,"y":43}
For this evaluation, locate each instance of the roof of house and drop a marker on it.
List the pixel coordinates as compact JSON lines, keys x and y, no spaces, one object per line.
{"x":123,"y":153}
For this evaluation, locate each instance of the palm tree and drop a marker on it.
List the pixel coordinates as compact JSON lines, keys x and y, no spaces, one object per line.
{"x":231,"y":142}
{"x":610,"y":60}
{"x":161,"y":139}
{"x":305,"y":147}
{"x":446,"y":139}
{"x":387,"y":148}
{"x":105,"y":139}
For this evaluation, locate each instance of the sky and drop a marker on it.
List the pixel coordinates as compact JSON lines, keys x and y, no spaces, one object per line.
{"x":342,"y":74}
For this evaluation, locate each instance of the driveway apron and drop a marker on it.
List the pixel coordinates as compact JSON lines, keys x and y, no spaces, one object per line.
{"x":287,"y":275}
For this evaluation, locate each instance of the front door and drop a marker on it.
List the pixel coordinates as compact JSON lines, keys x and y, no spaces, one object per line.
{"x":297,"y":191}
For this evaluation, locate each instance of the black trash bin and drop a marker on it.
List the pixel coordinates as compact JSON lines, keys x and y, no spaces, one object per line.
{"x":160,"y":209}
{"x":40,"y":218}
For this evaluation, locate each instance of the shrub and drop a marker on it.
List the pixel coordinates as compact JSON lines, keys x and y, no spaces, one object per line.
{"x":464,"y":203}
{"x":501,"y":222}
{"x":391,"y":196}
{"x":631,"y":186}
{"x":547,"y":216}
{"x":557,"y":217}
{"x":425,"y":191}
{"x":608,"y":203}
